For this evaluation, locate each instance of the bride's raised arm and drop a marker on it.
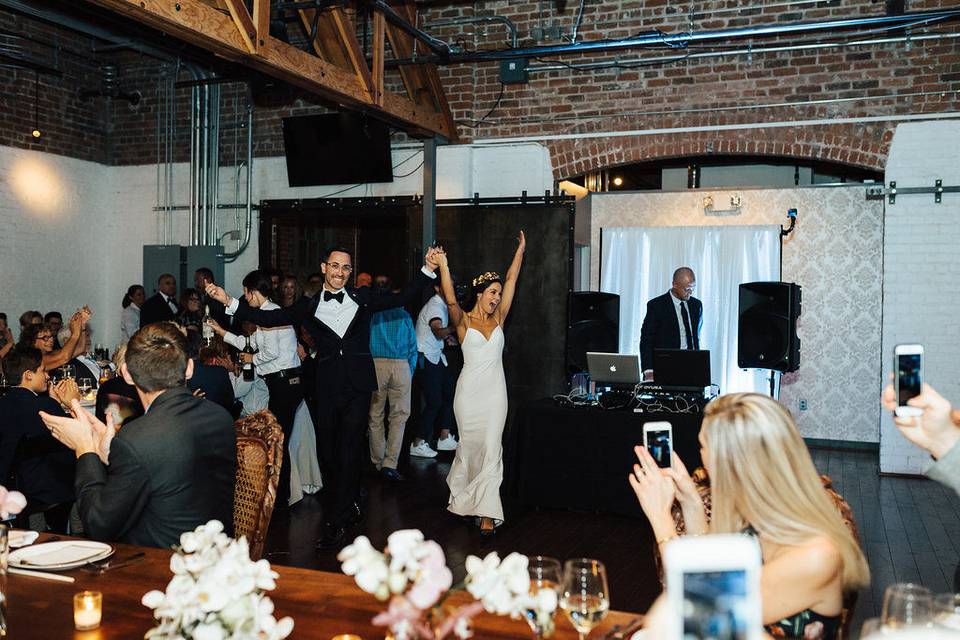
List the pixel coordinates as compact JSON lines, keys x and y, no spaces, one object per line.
{"x":510,"y":284}
{"x":449,"y":294}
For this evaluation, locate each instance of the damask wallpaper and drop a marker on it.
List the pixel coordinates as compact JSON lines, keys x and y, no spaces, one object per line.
{"x":836,"y":255}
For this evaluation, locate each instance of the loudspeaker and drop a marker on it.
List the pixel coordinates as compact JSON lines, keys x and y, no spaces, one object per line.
{"x":767,"y":327}
{"x":593,"y":324}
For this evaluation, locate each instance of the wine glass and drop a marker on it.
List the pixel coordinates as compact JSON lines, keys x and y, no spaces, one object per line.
{"x":69,"y":371}
{"x":906,"y":605}
{"x":545,"y":577}
{"x":585,"y":596}
{"x":85,"y":386}
{"x":946,"y":613}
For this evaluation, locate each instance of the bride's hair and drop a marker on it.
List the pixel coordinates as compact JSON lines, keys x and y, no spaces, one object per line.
{"x":762,"y":476}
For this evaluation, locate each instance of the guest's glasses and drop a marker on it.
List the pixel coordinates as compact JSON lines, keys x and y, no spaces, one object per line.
{"x":585,"y":596}
{"x":45,"y":337}
{"x":336,"y":266}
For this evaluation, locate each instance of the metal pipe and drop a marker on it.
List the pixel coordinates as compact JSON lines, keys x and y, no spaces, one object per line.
{"x":507,"y":22}
{"x":680,"y":40}
{"x":247,"y":232}
{"x":213,"y":184}
{"x":640,"y":62}
{"x":439,"y":47}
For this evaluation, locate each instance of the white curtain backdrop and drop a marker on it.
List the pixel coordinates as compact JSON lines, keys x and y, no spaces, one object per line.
{"x":638,"y":264}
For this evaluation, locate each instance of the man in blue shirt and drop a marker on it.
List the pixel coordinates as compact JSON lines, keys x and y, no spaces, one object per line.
{"x":393,"y":345}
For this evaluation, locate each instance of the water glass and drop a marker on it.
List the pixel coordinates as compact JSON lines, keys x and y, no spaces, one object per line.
{"x":85,"y":386}
{"x":545,"y":577}
{"x":906,"y":605}
{"x":69,"y":371}
{"x":585,"y":596}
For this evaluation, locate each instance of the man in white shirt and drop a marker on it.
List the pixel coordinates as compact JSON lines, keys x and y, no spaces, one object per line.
{"x":436,"y":379}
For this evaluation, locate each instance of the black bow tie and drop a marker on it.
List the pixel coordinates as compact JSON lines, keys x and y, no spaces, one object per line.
{"x":327,"y":296}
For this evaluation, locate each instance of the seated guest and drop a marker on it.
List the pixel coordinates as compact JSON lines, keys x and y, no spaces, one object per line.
{"x":164,"y":473}
{"x":40,"y":336}
{"x":6,"y":336}
{"x":130,"y":317}
{"x":210,"y":381}
{"x":43,"y":468}
{"x":85,"y":366}
{"x":763,"y":484}
{"x":162,"y":306}
{"x":252,"y":395}
{"x":118,"y":396}
{"x":28,"y":318}
{"x":55,"y":320}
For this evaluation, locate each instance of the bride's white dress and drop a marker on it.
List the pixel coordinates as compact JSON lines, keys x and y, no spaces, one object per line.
{"x":480,"y":405}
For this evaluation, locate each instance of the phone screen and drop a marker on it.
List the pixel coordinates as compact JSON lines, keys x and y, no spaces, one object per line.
{"x":658,"y":445}
{"x":908,"y":377}
{"x":715,"y":605}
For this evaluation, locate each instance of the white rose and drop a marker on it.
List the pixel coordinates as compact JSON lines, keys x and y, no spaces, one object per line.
{"x":212,"y":631}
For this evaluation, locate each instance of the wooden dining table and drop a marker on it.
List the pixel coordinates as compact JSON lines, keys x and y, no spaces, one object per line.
{"x":321,"y":604}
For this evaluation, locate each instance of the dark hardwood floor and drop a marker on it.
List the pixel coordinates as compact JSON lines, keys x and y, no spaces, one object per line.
{"x":910,"y":530}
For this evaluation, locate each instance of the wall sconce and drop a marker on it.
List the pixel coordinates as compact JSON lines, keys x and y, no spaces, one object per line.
{"x":735,"y":204}
{"x":617,"y":181}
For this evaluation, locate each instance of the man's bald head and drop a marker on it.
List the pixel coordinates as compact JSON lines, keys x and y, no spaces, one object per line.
{"x":684,"y":283}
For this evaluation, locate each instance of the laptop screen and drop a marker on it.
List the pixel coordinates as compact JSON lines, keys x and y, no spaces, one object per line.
{"x":681,"y":367}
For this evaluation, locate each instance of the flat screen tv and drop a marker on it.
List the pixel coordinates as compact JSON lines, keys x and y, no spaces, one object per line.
{"x":336,"y":148}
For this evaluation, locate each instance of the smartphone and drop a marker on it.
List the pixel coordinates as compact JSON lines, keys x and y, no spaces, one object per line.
{"x":713,"y":584}
{"x":658,"y":439}
{"x":908,"y":377}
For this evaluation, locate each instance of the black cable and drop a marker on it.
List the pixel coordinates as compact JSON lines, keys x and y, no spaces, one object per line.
{"x":477,"y":123}
{"x":411,"y":172}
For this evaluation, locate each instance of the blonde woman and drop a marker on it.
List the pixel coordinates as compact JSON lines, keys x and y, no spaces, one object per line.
{"x":764,"y":484}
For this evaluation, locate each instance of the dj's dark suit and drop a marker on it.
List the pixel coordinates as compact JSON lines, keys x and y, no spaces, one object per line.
{"x":661,"y":330}
{"x":170,"y":471}
{"x":345,"y":378}
{"x":155,"y":309}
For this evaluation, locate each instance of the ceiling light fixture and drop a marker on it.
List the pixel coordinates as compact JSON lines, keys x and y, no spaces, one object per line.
{"x":36,"y":103}
{"x":618,"y":181}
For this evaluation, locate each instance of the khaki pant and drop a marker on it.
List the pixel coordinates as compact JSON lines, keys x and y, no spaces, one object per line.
{"x":393,"y":387}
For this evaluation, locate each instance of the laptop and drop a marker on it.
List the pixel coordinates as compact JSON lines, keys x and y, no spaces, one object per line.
{"x":681,"y":367}
{"x":614,"y":368}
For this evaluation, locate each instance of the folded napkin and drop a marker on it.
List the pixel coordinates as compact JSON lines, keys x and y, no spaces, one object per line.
{"x":21,"y":538}
{"x":65,"y":554}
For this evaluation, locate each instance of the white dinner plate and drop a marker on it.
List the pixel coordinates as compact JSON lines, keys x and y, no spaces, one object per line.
{"x":59,"y":556}
{"x":639,"y":635}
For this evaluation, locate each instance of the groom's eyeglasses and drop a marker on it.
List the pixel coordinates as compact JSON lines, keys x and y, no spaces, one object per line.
{"x":336,"y":266}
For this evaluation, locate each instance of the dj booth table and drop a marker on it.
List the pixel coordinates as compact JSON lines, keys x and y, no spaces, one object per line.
{"x":579,"y":458}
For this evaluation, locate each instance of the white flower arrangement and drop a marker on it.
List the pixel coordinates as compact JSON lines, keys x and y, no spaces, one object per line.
{"x":217,"y":592}
{"x":412,"y":574}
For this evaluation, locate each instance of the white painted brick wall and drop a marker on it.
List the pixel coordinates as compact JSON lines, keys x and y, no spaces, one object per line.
{"x":72,"y":232}
{"x":921,"y":270}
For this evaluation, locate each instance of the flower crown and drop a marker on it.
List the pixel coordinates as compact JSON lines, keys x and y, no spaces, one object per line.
{"x":489,"y":276}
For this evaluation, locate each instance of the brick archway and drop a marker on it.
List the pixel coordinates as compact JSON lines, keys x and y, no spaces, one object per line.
{"x":860,"y":145}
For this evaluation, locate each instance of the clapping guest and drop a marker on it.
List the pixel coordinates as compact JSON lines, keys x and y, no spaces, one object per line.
{"x":55,"y":320}
{"x":763,"y":484}
{"x":130,"y":317}
{"x":40,"y":336}
{"x":164,"y":473}
{"x":43,"y":467}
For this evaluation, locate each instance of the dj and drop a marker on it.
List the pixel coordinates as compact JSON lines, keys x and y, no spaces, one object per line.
{"x":673,"y":320}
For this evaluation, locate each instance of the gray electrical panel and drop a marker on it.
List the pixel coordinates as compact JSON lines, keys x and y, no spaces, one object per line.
{"x":181,"y":261}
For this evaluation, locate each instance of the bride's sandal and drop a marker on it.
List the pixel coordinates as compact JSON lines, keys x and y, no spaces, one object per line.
{"x":486,"y":527}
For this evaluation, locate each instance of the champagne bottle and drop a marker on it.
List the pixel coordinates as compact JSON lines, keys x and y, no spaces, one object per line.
{"x":248,"y":366}
{"x":206,"y":328}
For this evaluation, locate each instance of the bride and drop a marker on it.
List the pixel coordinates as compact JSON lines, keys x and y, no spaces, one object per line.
{"x":480,"y":402}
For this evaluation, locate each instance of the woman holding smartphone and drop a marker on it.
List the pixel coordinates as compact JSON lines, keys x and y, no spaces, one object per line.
{"x":764,"y":484}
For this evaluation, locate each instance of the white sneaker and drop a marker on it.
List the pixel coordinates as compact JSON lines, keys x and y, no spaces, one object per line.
{"x":447,"y":444}
{"x":422,"y":450}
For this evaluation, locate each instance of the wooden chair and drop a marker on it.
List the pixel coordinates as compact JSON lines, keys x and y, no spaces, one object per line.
{"x":702,"y":482}
{"x":259,"y":456}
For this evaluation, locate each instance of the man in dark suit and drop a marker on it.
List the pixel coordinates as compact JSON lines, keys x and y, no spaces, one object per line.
{"x":673,"y":320}
{"x":162,"y":305}
{"x":169,"y":470}
{"x":42,"y":467}
{"x":338,"y":320}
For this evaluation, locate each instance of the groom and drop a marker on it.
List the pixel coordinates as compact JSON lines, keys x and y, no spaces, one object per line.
{"x":338,"y":320}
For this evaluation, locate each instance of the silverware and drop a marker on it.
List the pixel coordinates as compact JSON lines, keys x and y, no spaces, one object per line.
{"x":40,"y":574}
{"x":609,"y":634}
{"x":628,"y":630}
{"x":109,"y":565}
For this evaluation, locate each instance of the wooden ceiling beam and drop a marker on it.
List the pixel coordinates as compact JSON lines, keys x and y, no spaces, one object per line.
{"x":241,"y":18}
{"x":205,"y":27}
{"x":379,"y":47}
{"x":348,"y":37}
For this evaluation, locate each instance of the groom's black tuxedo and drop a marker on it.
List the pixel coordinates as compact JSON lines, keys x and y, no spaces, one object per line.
{"x":661,"y":329}
{"x":345,"y":378}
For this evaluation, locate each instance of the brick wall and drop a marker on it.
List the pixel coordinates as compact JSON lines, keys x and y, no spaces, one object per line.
{"x":562,"y":101}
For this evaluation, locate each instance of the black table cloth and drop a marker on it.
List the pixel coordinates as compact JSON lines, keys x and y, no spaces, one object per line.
{"x":579,"y":457}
